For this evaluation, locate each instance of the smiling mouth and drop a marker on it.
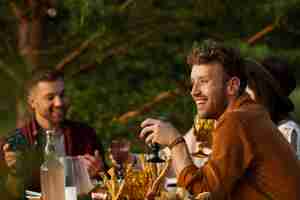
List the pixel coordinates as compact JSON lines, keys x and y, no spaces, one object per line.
{"x":58,"y":113}
{"x":200,"y":101}
{"x":200,"y":105}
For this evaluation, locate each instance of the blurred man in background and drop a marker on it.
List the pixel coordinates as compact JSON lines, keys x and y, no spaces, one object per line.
{"x":47,"y":104}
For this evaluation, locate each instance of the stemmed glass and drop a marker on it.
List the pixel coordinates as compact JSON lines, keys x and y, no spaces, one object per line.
{"x":202,"y":131}
{"x":119,"y":153}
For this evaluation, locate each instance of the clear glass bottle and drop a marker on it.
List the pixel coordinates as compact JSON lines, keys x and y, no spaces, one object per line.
{"x":52,"y":171}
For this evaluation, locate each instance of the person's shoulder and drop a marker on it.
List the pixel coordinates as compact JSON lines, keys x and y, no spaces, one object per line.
{"x":10,"y":135}
{"x":289,"y":126}
{"x":75,"y":123}
{"x":248,"y":113}
{"x":14,"y":133}
{"x":235,"y":118}
{"x":15,"y":138}
{"x":78,"y":125}
{"x":289,"y":122}
{"x":236,"y":115}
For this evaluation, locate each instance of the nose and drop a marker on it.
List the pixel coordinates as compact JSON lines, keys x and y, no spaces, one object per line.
{"x":196,"y":90}
{"x":59,"y":101}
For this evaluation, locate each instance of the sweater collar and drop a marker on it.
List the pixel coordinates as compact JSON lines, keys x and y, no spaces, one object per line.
{"x":244,"y":99}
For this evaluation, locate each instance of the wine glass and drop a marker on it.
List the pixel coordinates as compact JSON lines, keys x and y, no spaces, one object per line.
{"x":203,"y":132}
{"x":119,"y":154}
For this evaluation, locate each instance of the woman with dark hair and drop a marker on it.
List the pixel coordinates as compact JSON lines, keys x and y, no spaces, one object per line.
{"x":270,"y":84}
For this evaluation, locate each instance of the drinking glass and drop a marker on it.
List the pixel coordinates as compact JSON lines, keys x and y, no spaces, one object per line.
{"x":77,"y":180}
{"x":119,"y":153}
{"x":70,"y":180}
{"x":203,"y":132}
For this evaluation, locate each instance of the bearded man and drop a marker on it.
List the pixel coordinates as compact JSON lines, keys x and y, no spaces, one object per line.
{"x":47,"y":102}
{"x":250,"y":158}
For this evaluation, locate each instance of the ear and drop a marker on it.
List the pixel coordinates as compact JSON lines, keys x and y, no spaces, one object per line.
{"x":233,"y":86}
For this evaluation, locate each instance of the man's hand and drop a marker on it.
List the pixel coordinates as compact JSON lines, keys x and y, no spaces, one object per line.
{"x":164,"y":133}
{"x":158,"y":131}
{"x":94,"y":164}
{"x":10,"y":156}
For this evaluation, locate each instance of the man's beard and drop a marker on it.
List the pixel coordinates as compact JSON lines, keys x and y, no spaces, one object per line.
{"x":58,"y":118}
{"x":216,"y":111}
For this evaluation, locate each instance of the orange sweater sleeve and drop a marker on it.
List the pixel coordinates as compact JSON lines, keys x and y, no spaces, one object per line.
{"x":231,"y":156}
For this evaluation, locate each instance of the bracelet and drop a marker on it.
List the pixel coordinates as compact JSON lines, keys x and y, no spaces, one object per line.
{"x":178,"y":140}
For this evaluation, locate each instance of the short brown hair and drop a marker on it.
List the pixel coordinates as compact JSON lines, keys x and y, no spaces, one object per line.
{"x":211,"y":51}
{"x":42,"y":75}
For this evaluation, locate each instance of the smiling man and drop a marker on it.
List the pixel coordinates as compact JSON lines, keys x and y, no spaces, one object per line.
{"x":47,"y":103}
{"x":250,"y":158}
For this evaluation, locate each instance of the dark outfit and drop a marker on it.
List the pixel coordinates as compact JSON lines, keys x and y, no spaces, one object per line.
{"x":250,"y":159}
{"x":29,"y":140}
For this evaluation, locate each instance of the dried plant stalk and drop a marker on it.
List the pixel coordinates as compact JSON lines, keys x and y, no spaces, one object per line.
{"x":136,"y":182}
{"x":157,"y":183}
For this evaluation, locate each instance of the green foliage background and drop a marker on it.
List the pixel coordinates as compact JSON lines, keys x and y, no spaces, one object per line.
{"x":137,"y":50}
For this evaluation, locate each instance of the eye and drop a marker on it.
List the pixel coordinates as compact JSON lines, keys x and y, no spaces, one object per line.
{"x":50,"y":97}
{"x":203,"y":81}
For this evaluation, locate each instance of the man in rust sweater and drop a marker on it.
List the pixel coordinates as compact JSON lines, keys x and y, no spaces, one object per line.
{"x":21,"y":153}
{"x":250,"y":158}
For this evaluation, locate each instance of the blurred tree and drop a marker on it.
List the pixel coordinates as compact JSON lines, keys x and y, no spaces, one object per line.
{"x":25,"y":34}
{"x":121,"y":55}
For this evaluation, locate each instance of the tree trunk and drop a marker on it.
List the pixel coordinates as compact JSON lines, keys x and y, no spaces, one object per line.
{"x":29,"y":40}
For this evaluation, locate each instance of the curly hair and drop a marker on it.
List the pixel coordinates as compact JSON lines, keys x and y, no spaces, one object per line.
{"x":211,"y":51}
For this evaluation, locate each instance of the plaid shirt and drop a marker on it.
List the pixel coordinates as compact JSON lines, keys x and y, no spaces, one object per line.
{"x":29,"y":141}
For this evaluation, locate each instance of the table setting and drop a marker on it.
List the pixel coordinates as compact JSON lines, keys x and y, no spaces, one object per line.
{"x":131,"y":176}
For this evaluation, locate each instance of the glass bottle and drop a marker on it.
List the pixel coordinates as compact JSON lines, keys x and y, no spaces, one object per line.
{"x":52,"y":171}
